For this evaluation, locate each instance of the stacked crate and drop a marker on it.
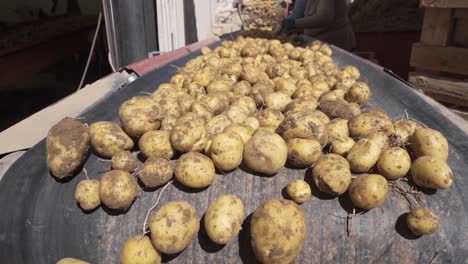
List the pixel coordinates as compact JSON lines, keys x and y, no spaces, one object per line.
{"x":440,"y":58}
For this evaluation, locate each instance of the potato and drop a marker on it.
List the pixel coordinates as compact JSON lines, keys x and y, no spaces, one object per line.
{"x":189,"y":136}
{"x":320,"y":115}
{"x":303,"y":152}
{"x":341,"y":146}
{"x":87,"y":194}
{"x":155,"y":172}
{"x":303,"y":125}
{"x":67,"y":146}
{"x":358,"y":93}
{"x":337,"y":128}
{"x":252,"y":122}
{"x":139,"y":115}
{"x":250,"y":73}
{"x":367,"y":122}
{"x":226,"y":151}
{"x":180,"y":80}
{"x":124,"y":160}
{"x":338,"y":108}
{"x":117,"y":189}
{"x":156,"y":144}
{"x":270,"y":118}
{"x":205,"y":76}
{"x":332,"y":95}
{"x":194,"y":89}
{"x":429,"y":142}
{"x":242,"y":88}
{"x":217,"y":124}
{"x":285,"y":86}
{"x":344,"y":84}
{"x":299,"y":191}
{"x":430,"y":172}
{"x":195,"y":170}
{"x":168,"y":123}
{"x":139,"y":250}
{"x":217,"y":86}
{"x":217,"y":102}
{"x":331,"y":174}
{"x":421,"y":221}
{"x":368,"y":191}
{"x":277,"y":101}
{"x":108,"y":138}
{"x":365,"y":153}
{"x":394,"y":163}
{"x":352,"y":71}
{"x":223,"y":219}
{"x":306,"y":103}
{"x":245,"y":132}
{"x":202,"y":110}
{"x":247,"y":103}
{"x":260,"y":91}
{"x":275,"y":70}
{"x":265,"y":152}
{"x":305,"y":91}
{"x":174,"y":226}
{"x":278,"y":230}
{"x":236,"y":114}
{"x":404,"y":130}
{"x":171,"y":106}
{"x":355,"y":108}
{"x":234,"y":69}
{"x":71,"y":261}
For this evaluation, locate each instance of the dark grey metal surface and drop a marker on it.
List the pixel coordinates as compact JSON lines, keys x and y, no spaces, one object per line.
{"x":41,"y":221}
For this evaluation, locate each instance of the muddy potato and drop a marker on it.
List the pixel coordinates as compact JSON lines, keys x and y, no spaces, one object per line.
{"x":174,"y":226}
{"x":242,"y":88}
{"x":252,"y":122}
{"x":245,"y":132}
{"x":139,"y":250}
{"x":429,"y":142}
{"x":217,"y":86}
{"x":352,"y":71}
{"x":124,"y":160}
{"x":236,"y":114}
{"x":270,"y":118}
{"x":195,"y":170}
{"x":306,"y":103}
{"x":260,"y":91}
{"x":338,"y":108}
{"x":217,"y":124}
{"x":139,"y":115}
{"x":303,"y":124}
{"x":277,"y":101}
{"x":303,"y":152}
{"x":250,"y":73}
{"x":304,"y":91}
{"x":87,"y":194}
{"x":216,"y":102}
{"x":156,"y":171}
{"x":67,"y":146}
{"x":117,"y":189}
{"x":245,"y":102}
{"x":189,"y":135}
{"x":344,"y":84}
{"x":205,"y":76}
{"x":108,"y":138}
{"x":194,"y":89}
{"x":180,"y":80}
{"x":367,"y":122}
{"x":430,"y":172}
{"x":341,"y":146}
{"x":368,"y":191}
{"x":358,"y":93}
{"x":366,"y":152}
{"x":275,"y":70}
{"x":278,"y":230}
{"x":223,"y":219}
{"x":156,"y":144}
{"x":331,"y":174}
{"x":394,"y":163}
{"x":332,"y":95}
{"x":71,"y":261}
{"x":337,"y":128}
{"x":299,"y":191}
{"x":226,"y":151}
{"x":285,"y":86}
{"x":265,"y":152}
{"x":421,"y":221}
{"x":168,"y":123}
{"x":404,"y":130}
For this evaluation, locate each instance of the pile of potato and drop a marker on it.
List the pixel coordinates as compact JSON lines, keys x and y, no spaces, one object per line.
{"x":262,"y":15}
{"x":261,"y":103}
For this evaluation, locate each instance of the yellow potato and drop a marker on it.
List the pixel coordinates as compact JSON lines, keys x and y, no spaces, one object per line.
{"x":331,"y":174}
{"x":247,"y":103}
{"x":306,"y":103}
{"x":303,"y":124}
{"x":404,"y":130}
{"x":337,"y":128}
{"x":108,"y":138}
{"x":140,"y":114}
{"x":174,"y":226}
{"x":223,"y":219}
{"x":87,"y":194}
{"x":338,"y":108}
{"x":189,"y":136}
{"x":303,"y":152}
{"x":252,"y":122}
{"x":265,"y":152}
{"x":242,"y":88}
{"x":332,"y":95}
{"x":67,"y":145}
{"x":156,"y":144}
{"x":155,"y":172}
{"x":168,"y":123}
{"x":204,"y":76}
{"x":226,"y":151}
{"x":217,"y":102}
{"x":358,"y":93}
{"x":366,"y":152}
{"x":217,"y":86}
{"x":421,"y":221}
{"x":367,"y":122}
{"x":285,"y":86}
{"x":430,"y":172}
{"x":368,"y":191}
{"x":270,"y":118}
{"x":277,"y":101}
{"x":394,"y":163}
{"x":124,"y":160}
{"x":299,"y":191}
{"x":71,"y":261}
{"x":139,"y":250}
{"x":217,"y":124}
{"x":117,"y":189}
{"x":429,"y":142}
{"x":245,"y":132}
{"x":278,"y":230}
{"x":260,"y":91}
{"x":236,"y":114}
{"x":341,"y":146}
{"x":202,"y":110}
{"x":195,"y":170}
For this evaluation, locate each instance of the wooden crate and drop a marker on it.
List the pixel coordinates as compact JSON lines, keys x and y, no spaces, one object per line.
{"x":440,"y":58}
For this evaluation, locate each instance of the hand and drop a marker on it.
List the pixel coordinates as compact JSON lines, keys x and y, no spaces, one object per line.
{"x":288,"y":23}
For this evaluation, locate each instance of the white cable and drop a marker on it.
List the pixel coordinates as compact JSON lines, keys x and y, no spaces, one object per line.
{"x":91,"y":51}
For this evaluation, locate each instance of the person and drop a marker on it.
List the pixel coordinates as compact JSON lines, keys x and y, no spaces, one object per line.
{"x":325,"y":20}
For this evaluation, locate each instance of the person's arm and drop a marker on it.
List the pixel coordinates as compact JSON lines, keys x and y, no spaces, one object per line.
{"x":298,"y":10}
{"x":325,"y":15}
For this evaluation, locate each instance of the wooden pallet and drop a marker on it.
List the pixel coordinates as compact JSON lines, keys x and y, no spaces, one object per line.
{"x":440,"y":58}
